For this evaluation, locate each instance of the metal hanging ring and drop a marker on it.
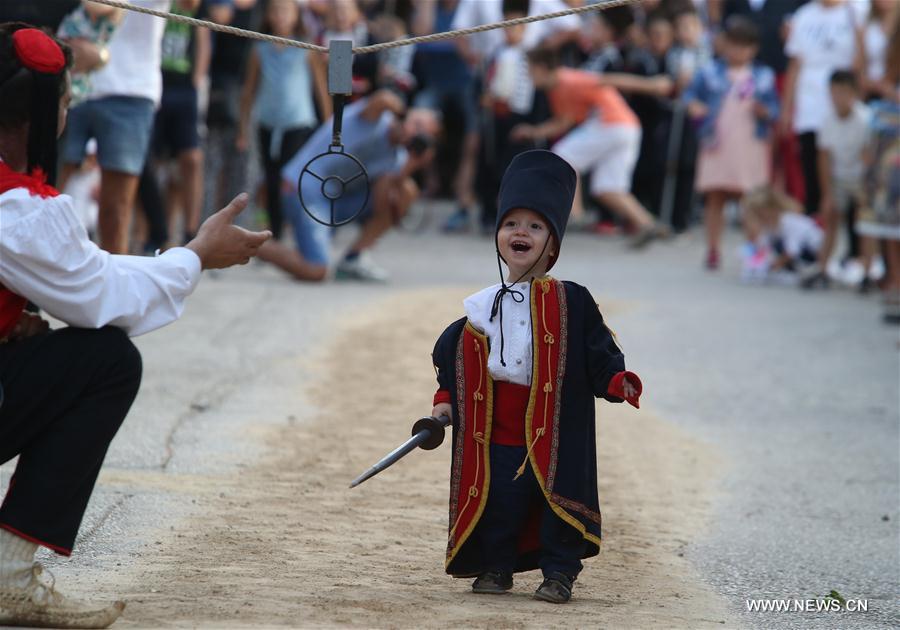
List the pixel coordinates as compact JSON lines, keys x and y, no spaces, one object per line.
{"x":333,"y":187}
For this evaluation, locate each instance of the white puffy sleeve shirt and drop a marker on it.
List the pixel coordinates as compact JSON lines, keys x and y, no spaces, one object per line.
{"x":517,"y":340}
{"x":47,"y":257}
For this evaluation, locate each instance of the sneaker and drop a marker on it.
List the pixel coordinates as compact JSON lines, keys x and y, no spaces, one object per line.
{"x":360,"y":268}
{"x":648,"y":234}
{"x":39,"y":605}
{"x":754,"y":263}
{"x":865,"y":286}
{"x":492,"y":583}
{"x":605,"y":228}
{"x":581,"y":224}
{"x":713,"y":260}
{"x":816,"y":280}
{"x":556,"y":589}
{"x":851,"y":273}
{"x":458,"y":222}
{"x":783,"y":278}
{"x":891,"y":313}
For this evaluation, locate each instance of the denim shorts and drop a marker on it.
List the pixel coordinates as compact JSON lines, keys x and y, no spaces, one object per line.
{"x":122,"y":126}
{"x":175,"y":128}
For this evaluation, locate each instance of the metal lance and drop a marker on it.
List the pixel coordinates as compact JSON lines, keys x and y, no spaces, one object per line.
{"x":427,"y":434}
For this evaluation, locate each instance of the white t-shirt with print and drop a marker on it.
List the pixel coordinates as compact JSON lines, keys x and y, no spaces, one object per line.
{"x":822,"y":40}
{"x":844,"y":139}
{"x":798,"y":233}
{"x":135,"y":54}
{"x":471,"y":13}
{"x":511,"y":82}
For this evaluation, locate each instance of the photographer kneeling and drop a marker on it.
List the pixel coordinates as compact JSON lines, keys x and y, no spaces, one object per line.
{"x":392,"y":144}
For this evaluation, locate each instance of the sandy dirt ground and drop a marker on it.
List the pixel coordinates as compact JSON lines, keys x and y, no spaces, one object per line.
{"x":284,"y":542}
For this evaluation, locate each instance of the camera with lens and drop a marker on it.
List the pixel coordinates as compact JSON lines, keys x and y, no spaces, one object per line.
{"x":420,"y":143}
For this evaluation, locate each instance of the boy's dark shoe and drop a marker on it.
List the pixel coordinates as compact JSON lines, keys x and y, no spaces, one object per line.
{"x":492,"y":583}
{"x":556,"y":589}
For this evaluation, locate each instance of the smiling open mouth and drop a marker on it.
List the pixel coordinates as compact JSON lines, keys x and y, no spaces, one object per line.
{"x":519,"y":246}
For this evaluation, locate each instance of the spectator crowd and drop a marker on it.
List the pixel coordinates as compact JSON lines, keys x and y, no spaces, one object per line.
{"x":782,"y":116}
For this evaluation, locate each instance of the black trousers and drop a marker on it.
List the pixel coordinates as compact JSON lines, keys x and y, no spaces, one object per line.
{"x":809,"y":160}
{"x":66,"y":393}
{"x":153,"y":206}
{"x":853,"y":248}
{"x":508,"y":506}
{"x":291,"y":141}
{"x":651,"y":170}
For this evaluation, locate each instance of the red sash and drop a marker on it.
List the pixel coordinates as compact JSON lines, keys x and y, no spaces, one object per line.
{"x":510,"y":409}
{"x":12,"y":305}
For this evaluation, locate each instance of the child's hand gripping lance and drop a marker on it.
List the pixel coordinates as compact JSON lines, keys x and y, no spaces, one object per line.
{"x":427,"y":434}
{"x":334,"y":186}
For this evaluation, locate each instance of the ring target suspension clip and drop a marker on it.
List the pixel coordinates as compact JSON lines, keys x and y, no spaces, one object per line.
{"x":337,"y":170}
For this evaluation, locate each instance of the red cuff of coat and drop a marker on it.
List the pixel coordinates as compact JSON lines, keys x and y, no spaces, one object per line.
{"x":441,"y":396}
{"x":617,"y":387}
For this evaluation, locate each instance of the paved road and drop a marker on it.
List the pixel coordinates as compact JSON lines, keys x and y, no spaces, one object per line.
{"x":797,"y":393}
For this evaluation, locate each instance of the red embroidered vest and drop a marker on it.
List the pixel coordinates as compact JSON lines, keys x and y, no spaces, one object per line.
{"x":12,"y":305}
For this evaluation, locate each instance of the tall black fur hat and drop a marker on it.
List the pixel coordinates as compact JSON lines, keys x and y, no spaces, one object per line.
{"x":540,"y":181}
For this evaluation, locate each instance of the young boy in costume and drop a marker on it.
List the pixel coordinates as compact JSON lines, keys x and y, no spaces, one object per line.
{"x":518,"y":375}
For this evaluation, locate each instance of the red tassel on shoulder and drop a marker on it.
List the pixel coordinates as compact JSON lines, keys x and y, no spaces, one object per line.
{"x":36,"y":183}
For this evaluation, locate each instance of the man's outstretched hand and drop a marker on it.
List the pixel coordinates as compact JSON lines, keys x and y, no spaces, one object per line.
{"x":220,"y":244}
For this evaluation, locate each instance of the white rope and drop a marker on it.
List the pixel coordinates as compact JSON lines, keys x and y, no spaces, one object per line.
{"x":599,"y":6}
{"x":231,"y":30}
{"x":362,"y":50}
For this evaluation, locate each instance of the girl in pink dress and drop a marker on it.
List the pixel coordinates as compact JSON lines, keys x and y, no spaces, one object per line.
{"x":735,"y":102}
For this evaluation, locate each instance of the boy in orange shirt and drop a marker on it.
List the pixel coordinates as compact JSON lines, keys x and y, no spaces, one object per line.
{"x":599,"y":133}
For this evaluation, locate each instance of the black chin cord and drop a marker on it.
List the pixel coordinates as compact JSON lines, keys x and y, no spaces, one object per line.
{"x":517,"y":296}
